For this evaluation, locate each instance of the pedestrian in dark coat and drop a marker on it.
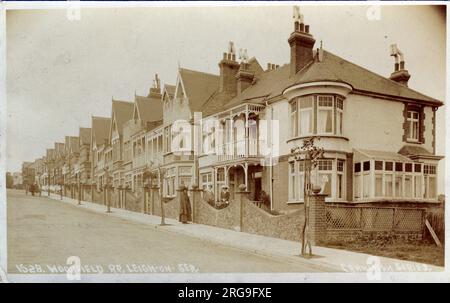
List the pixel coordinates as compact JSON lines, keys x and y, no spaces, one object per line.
{"x":185,"y":206}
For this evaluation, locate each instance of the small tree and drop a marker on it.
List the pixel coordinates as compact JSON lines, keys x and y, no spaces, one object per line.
{"x":310,"y":154}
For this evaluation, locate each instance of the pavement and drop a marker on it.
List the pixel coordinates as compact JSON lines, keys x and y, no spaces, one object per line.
{"x":334,"y":260}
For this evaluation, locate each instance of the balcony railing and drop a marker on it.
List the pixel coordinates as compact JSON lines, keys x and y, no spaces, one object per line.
{"x":239,"y":149}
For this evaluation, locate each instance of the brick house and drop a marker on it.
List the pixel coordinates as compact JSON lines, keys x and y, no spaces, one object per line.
{"x":147,"y":115}
{"x":72,"y":153}
{"x":82,"y":168}
{"x":320,"y":94}
{"x":100,"y":127}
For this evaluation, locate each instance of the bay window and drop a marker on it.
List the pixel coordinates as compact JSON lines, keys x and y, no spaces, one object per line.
{"x":206,"y":179}
{"x":329,"y":174}
{"x":316,"y":114}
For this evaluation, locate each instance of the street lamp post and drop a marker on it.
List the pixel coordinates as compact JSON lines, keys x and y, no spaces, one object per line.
{"x":107,"y":188}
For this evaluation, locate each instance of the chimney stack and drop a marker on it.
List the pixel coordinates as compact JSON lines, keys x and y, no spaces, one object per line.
{"x":301,"y":43}
{"x":244,"y":77}
{"x":228,"y":69}
{"x":271,"y":66}
{"x":400,"y":74}
{"x":155,"y":90}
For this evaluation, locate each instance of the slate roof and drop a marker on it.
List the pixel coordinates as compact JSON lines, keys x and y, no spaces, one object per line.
{"x":149,"y":109}
{"x":199,"y":87}
{"x":122,"y":112}
{"x":100,"y":129}
{"x":409,"y":150}
{"x":85,"y":135}
{"x":270,"y":84}
{"x":170,"y":89}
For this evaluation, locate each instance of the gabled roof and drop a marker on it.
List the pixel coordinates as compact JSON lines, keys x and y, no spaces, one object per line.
{"x":122,"y":111}
{"x":199,"y":87}
{"x":170,"y":89}
{"x":149,"y":109}
{"x":100,"y":129}
{"x":270,"y":84}
{"x":71,"y":144}
{"x":84,"y":136}
{"x":50,"y":154}
{"x":59,"y":149}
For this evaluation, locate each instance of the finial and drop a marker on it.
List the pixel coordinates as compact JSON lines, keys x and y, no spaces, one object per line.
{"x":231,"y":49}
{"x":243,"y":56}
{"x":297,"y":15}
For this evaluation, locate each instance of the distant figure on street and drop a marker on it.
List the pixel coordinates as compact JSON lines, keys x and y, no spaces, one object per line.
{"x":208,"y":195}
{"x":185,"y":206}
{"x":225,"y":195}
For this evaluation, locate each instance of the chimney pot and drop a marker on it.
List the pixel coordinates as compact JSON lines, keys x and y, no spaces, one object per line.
{"x":302,"y":27}
{"x":307,"y":28}
{"x":402,"y":65}
{"x":396,"y":67}
{"x":296,"y":26}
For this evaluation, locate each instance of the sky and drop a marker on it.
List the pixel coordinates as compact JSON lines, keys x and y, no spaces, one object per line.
{"x":62,"y":71}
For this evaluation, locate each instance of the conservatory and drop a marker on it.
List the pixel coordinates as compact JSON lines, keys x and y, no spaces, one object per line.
{"x":379,"y":175}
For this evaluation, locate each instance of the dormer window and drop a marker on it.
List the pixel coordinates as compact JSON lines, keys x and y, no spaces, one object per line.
{"x":413,"y":125}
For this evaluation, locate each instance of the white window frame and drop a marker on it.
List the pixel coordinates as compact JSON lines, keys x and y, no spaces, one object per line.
{"x":325,"y":108}
{"x":413,"y":124}
{"x":300,"y":110}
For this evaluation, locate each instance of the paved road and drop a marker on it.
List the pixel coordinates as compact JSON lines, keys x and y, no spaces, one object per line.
{"x":46,"y":232}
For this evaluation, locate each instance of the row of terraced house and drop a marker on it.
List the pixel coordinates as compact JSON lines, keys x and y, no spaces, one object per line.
{"x":240,"y":125}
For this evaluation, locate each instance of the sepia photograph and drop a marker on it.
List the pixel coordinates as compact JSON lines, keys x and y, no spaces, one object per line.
{"x":223,"y":142}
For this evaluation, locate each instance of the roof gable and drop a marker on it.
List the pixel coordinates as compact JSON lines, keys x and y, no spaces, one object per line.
{"x":198,"y":87}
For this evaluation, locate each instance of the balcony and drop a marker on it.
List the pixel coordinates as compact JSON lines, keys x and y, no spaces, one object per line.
{"x":240,"y":149}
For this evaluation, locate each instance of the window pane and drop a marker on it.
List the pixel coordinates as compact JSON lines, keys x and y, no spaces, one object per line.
{"x":378,"y":185}
{"x":325,"y":183}
{"x":417,"y":186}
{"x":339,"y":186}
{"x":417,"y":168}
{"x":432,"y":185}
{"x":306,"y":122}
{"x":339,"y":117}
{"x":398,"y":186}
{"x":306,"y":102}
{"x":408,"y":167}
{"x":366,"y":165}
{"x":357,"y":167}
{"x":378,"y":165}
{"x":398,"y":166}
{"x":324,"y":123}
{"x":388,"y":166}
{"x":366,"y":186}
{"x":388,"y":192}
{"x":408,"y":186}
{"x":357,"y":186}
